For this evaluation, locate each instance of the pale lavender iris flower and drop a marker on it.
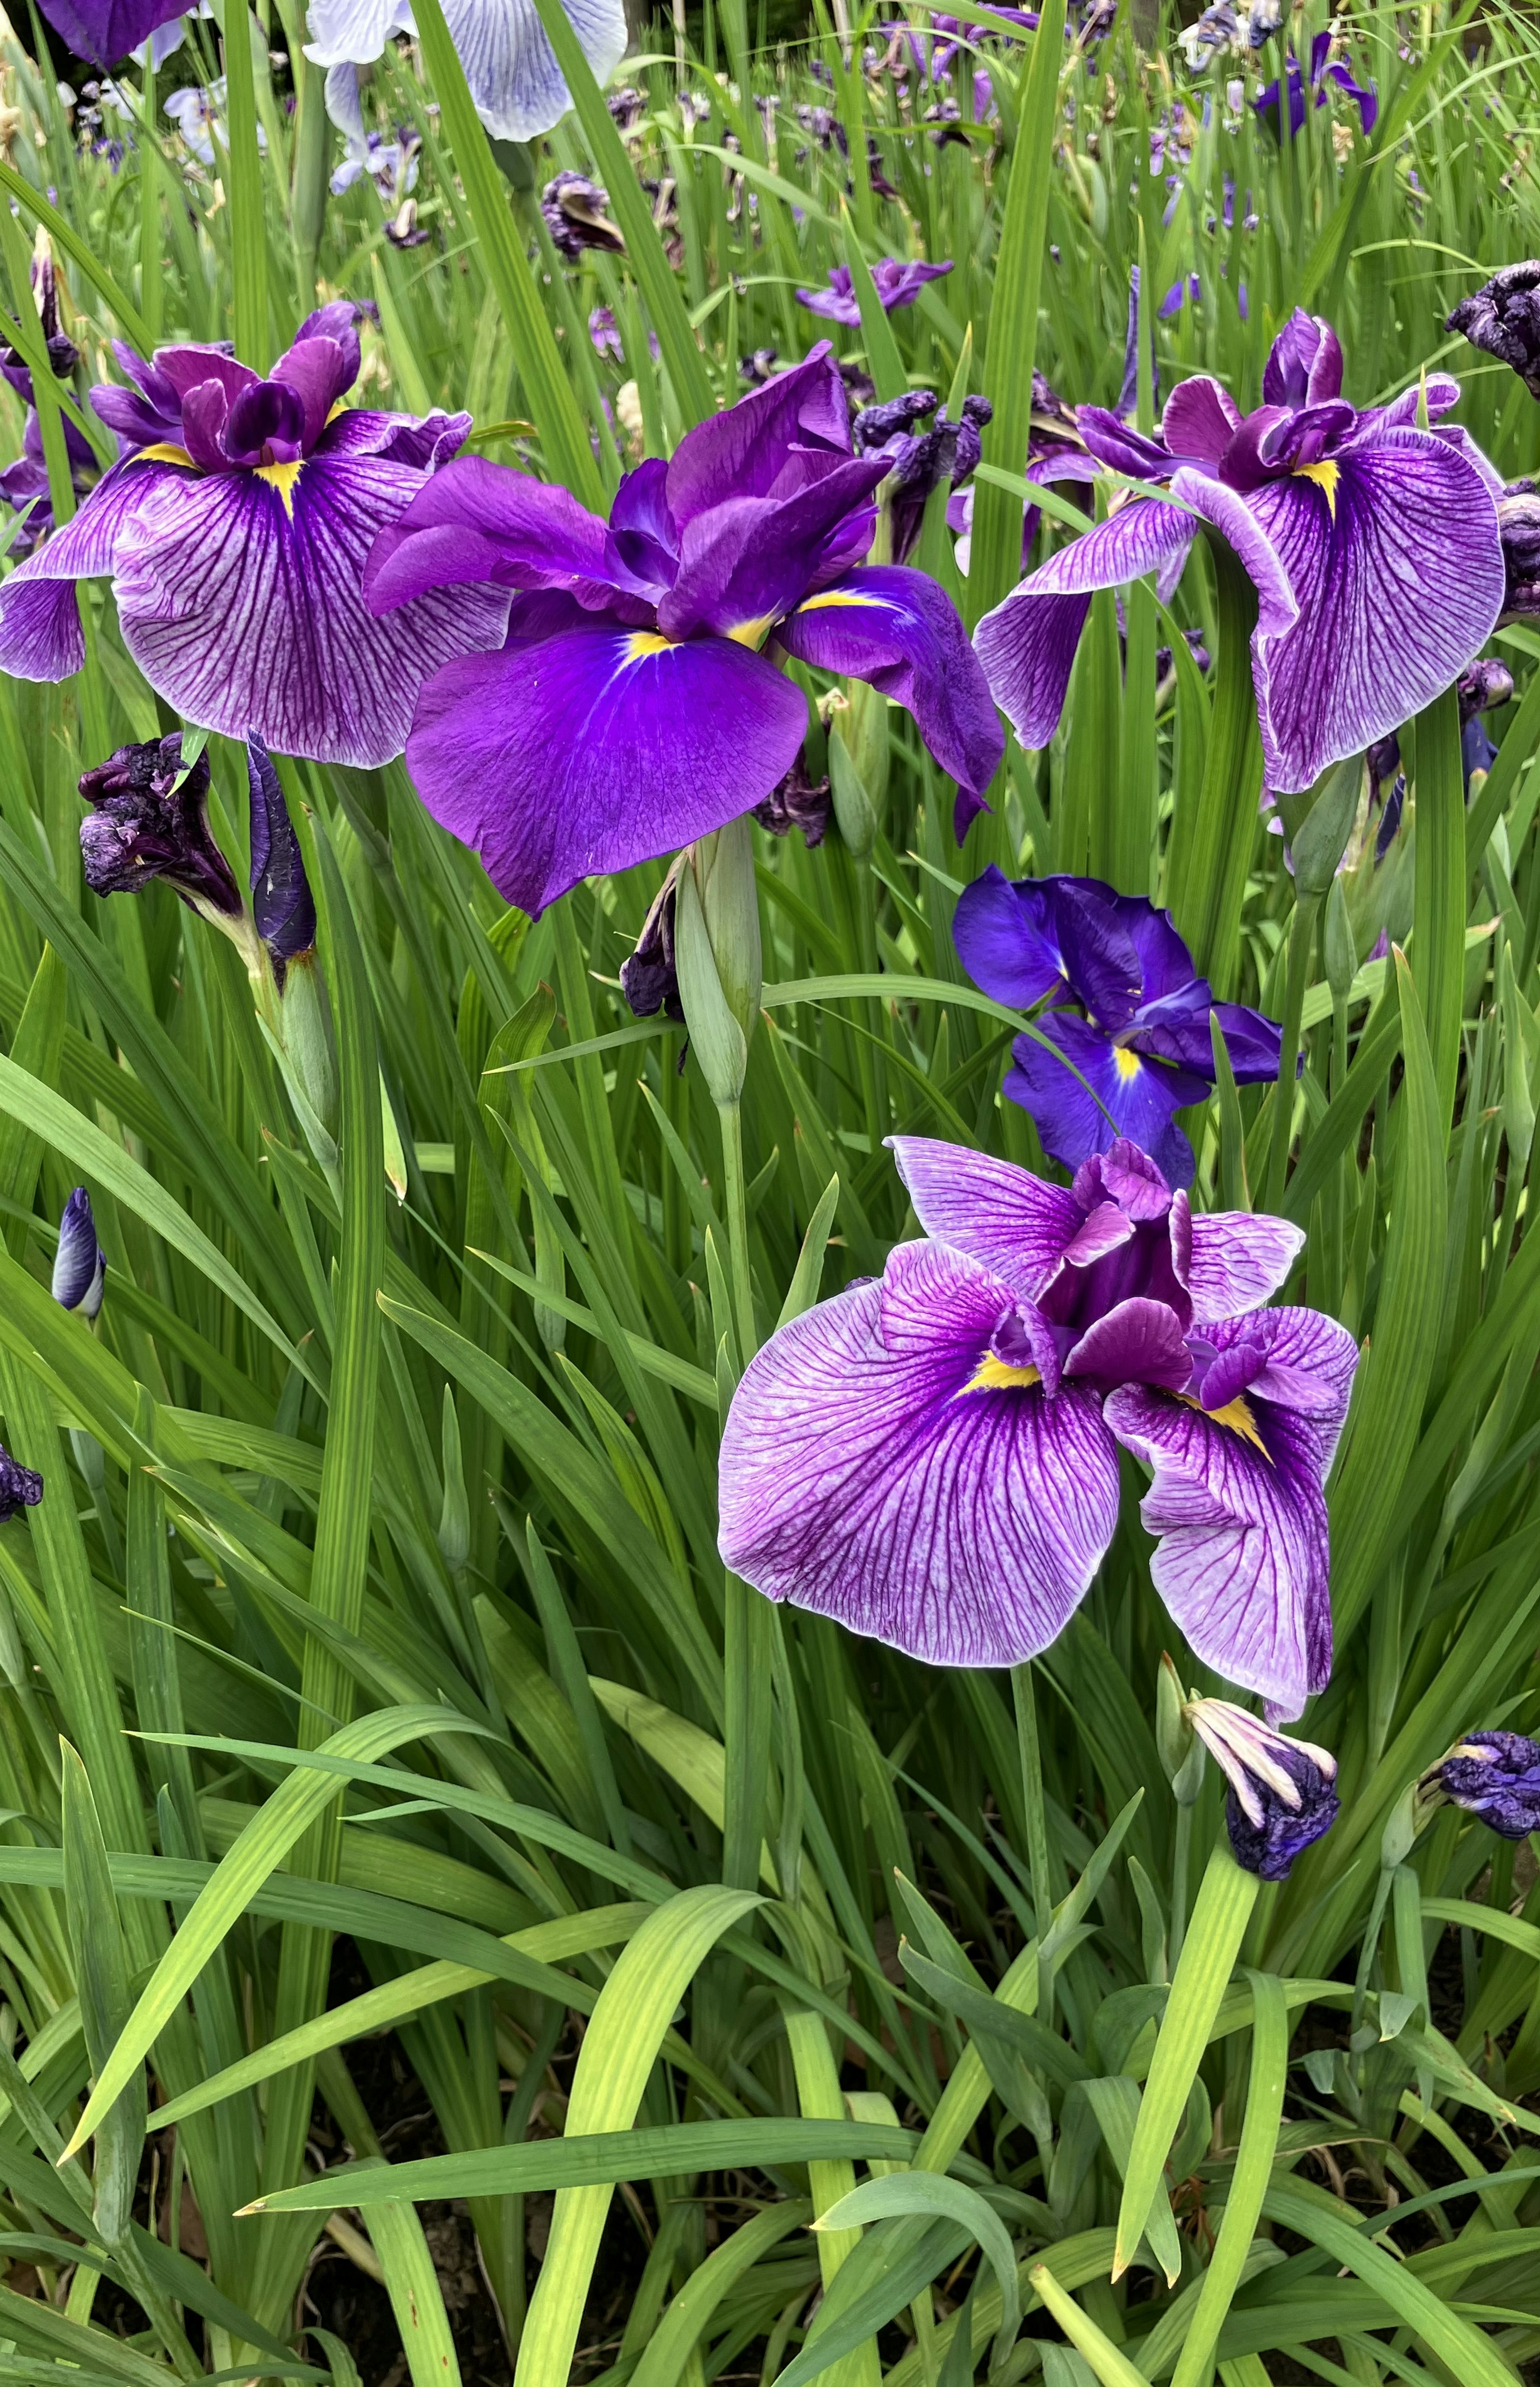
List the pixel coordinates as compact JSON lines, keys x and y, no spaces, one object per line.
{"x":235,"y":525}
{"x":509,"y":62}
{"x":636,"y":705}
{"x":931,"y":1458}
{"x":1373,"y":547}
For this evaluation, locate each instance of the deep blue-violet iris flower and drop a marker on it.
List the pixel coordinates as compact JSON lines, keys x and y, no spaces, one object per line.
{"x":932,"y":1456}
{"x":235,"y":524}
{"x":1494,"y":1775}
{"x":1322,"y":73}
{"x":509,"y":62}
{"x":1280,"y":1793}
{"x":1122,"y":1005}
{"x":1373,"y":547}
{"x":634,"y":706}
{"x":896,"y":284}
{"x":108,"y":30}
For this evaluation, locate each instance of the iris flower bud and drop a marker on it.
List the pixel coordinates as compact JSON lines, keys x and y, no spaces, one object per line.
{"x":1282,"y":1792}
{"x":1493,"y":1775}
{"x":80,"y":1263}
{"x":718,"y":955}
{"x":280,"y":899}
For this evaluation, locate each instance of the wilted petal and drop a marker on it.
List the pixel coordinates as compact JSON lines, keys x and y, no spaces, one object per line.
{"x":246,"y":615}
{"x":597,"y":747}
{"x":898,"y":630}
{"x":1015,"y":1225}
{"x":19,"y":1487}
{"x":861,"y":1479}
{"x":1027,"y":644}
{"x":1240,"y":1258}
{"x":1398,"y":579}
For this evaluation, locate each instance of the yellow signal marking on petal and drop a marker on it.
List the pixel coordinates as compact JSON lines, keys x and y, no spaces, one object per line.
{"x":336,"y":408}
{"x":1128,"y":1063}
{"x":643,"y":643}
{"x":163,"y":453}
{"x":1325,"y":476}
{"x":999,"y":1376}
{"x":1235,"y":1415}
{"x":283,"y":477}
{"x":829,"y":598}
{"x":750,"y":634}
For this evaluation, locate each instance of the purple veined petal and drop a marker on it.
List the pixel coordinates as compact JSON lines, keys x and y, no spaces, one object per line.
{"x":744,"y":563}
{"x":1014,"y":1224}
{"x":1308,"y":1365}
{"x":105,"y":31}
{"x":317,"y":370}
{"x":1242,"y":1560}
{"x":476,"y":521}
{"x":1027,"y":644}
{"x":241,"y":601}
{"x":1236,"y":520}
{"x":1304,"y":366}
{"x":675,"y":741}
{"x":1139,"y":1341}
{"x":41,"y":636}
{"x":1114,"y":443}
{"x":1199,"y":420}
{"x":426,"y":442}
{"x":1163,"y":960}
{"x":1398,"y":577}
{"x":337,"y":320}
{"x":898,"y":630}
{"x":1240,"y":1258}
{"x":1006,"y":938}
{"x":1124,"y":1093}
{"x":745,"y":451}
{"x":511,"y":68}
{"x":346,"y":33}
{"x":859,"y":1479}
{"x":1440,"y":390}
{"x":1056,"y":467}
{"x":188,"y":366}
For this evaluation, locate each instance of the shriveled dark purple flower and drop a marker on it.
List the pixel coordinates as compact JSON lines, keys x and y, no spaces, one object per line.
{"x":63,"y":355}
{"x":1321,"y":74}
{"x":1519,"y":527}
{"x":797,"y":802}
{"x":574,"y":209}
{"x":282,"y":904}
{"x":1503,"y":317}
{"x":148,"y":821}
{"x":627,"y":106}
{"x":631,"y":709}
{"x":1494,"y":1775}
{"x":1122,"y":1005}
{"x":649,"y":979}
{"x":235,"y":525}
{"x":1372,"y":544}
{"x":80,"y":1263}
{"x":919,"y":460}
{"x":897,"y":284}
{"x":1483,"y":688}
{"x":1280,"y":1794}
{"x":19,"y":1488}
{"x":931,"y":1458}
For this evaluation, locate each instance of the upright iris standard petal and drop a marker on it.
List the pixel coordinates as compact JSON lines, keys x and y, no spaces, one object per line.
{"x":508,"y":60}
{"x":1494,"y":1775}
{"x":865,"y":1474}
{"x":1015,"y":1225}
{"x":80,"y":1263}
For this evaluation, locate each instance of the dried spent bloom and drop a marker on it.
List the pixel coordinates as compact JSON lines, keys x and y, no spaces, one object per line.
{"x":1494,"y":1775}
{"x":1503,"y":317}
{"x":574,"y":209}
{"x":1518,"y":528}
{"x":1280,"y":1794}
{"x":148,"y":820}
{"x":19,"y":1488}
{"x":80,"y":1263}
{"x":649,"y":979}
{"x":797,"y":802}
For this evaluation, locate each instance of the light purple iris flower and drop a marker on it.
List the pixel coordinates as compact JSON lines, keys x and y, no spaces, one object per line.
{"x":931,"y":1458}
{"x":1123,"y":1006}
{"x":896,"y":284}
{"x":631,"y":709}
{"x":236,"y":524}
{"x":1373,"y":547}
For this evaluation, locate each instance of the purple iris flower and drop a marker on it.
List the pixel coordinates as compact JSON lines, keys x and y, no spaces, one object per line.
{"x":108,"y":30}
{"x":1123,"y":1007}
{"x":1494,"y":1775}
{"x":931,"y":1458}
{"x":235,"y":524}
{"x":631,"y":709}
{"x":1280,"y":1793}
{"x":1373,"y":547}
{"x":1322,"y":73}
{"x":80,"y":1263}
{"x":896,"y":284}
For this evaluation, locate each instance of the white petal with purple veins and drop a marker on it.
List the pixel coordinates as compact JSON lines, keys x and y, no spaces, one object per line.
{"x":1240,"y":1258}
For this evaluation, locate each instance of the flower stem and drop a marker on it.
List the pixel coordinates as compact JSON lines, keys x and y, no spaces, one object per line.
{"x":1035,"y":1810}
{"x":735,"y":1196}
{"x":749,"y":1620}
{"x":1442,"y":888}
{"x":1179,"y":1887}
{"x":1213,"y":841}
{"x":1301,"y":931}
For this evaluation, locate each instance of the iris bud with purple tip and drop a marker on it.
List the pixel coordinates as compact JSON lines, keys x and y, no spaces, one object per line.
{"x":149,"y":820}
{"x":1281,"y":1793}
{"x":1494,"y":1775}
{"x":80,"y":1263}
{"x":574,"y":208}
{"x":280,"y":899}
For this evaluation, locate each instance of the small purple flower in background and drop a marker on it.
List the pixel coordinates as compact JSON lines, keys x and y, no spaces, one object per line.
{"x":1280,"y":1793}
{"x":26,"y":482}
{"x":1122,"y":1006}
{"x":931,"y":1458}
{"x":235,"y":524}
{"x":1493,"y":1775}
{"x":149,"y":819}
{"x":631,"y":709}
{"x":1373,"y":547}
{"x":919,"y":460}
{"x":896,"y":284}
{"x":1483,"y":688}
{"x":508,"y":59}
{"x":1503,"y":318}
{"x":80,"y":1263}
{"x":281,"y":905}
{"x":1322,"y":73}
{"x":605,"y":333}
{"x":1217,"y":28}
{"x":574,"y":209}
